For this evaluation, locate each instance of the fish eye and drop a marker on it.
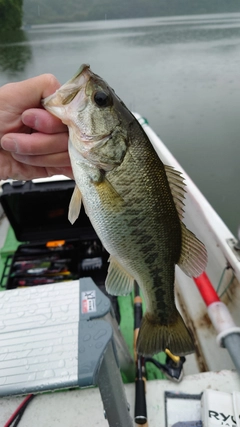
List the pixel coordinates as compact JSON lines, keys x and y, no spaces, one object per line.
{"x":102,"y":99}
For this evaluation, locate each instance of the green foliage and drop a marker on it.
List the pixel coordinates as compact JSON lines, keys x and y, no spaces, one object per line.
{"x":50,"y":11}
{"x":10,"y":14}
{"x":14,"y":50}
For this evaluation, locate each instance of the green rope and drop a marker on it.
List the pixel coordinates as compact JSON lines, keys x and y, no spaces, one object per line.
{"x":228,"y":286}
{"x":221,"y":279}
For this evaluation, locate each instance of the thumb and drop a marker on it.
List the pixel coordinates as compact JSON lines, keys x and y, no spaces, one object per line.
{"x":17,"y":97}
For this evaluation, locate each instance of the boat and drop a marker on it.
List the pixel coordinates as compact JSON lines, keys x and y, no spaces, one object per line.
{"x":210,"y":306}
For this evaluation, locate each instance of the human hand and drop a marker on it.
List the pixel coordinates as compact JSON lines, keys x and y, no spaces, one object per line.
{"x":34,"y":143}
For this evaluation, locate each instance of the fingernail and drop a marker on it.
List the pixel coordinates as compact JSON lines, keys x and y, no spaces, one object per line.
{"x":29,"y":119}
{"x":9,"y":144}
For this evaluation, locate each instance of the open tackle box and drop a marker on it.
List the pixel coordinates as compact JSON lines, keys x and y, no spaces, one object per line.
{"x":50,"y":249}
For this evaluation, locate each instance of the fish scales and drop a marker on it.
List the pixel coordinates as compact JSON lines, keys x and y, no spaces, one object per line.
{"x":134,"y":202}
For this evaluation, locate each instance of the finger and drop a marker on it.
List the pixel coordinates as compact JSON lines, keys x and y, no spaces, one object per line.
{"x":56,"y":160}
{"x":26,"y":173}
{"x":12,"y":169}
{"x":43,"y":121}
{"x":67,"y":171}
{"x":35,"y":144}
{"x":29,"y":92}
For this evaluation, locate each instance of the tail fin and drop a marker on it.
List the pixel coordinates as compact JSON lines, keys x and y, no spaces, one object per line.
{"x":154,"y":337}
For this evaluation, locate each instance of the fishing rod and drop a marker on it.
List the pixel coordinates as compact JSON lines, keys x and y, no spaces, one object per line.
{"x":172,"y":368}
{"x":140,"y":412}
{"x":228,"y":332}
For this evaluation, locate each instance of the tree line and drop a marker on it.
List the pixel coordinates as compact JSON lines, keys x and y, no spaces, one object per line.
{"x":50,"y":11}
{"x":14,"y":12}
{"x":11,"y":12}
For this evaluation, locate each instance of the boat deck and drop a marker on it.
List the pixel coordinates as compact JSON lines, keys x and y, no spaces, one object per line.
{"x":84,"y":407}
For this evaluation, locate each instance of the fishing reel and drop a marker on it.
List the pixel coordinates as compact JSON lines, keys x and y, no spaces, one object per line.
{"x":173,"y":367}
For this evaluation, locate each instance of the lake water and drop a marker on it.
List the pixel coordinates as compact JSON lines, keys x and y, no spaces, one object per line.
{"x":181,"y":73}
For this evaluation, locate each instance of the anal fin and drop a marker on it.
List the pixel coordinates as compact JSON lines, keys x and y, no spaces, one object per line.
{"x":193,"y":259}
{"x":75,"y":205}
{"x":118,"y":281}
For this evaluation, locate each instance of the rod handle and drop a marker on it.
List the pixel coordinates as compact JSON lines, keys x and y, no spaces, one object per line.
{"x":140,"y":414}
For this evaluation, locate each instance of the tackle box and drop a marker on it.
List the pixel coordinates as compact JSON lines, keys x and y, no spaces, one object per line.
{"x":50,"y":248}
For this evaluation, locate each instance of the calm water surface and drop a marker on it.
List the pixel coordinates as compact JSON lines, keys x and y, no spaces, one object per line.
{"x":181,"y":73}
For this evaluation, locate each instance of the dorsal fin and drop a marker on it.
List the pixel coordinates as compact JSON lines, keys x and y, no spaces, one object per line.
{"x":177,"y":186}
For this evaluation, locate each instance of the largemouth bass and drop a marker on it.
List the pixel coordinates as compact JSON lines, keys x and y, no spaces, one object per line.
{"x":134,"y":202}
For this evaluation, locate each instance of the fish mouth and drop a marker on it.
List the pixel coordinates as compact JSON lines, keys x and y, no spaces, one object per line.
{"x":66,"y":104}
{"x":72,"y":92}
{"x":70,"y":99}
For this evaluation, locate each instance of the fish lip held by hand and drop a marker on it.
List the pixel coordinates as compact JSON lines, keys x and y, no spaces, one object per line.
{"x":135,"y":204}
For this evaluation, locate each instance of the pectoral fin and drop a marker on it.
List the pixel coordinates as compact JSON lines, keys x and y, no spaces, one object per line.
{"x":193,"y":259}
{"x":75,"y":205}
{"x":109,"y":196}
{"x":118,"y":281}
